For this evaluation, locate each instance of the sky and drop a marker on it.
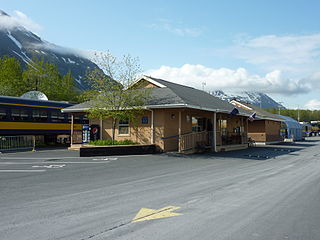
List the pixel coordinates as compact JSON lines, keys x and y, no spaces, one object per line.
{"x":248,"y":45}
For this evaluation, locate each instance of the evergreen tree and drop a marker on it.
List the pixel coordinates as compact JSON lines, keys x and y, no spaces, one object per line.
{"x":11,"y":77}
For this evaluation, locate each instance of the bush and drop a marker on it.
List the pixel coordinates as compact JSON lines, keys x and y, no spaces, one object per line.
{"x":109,"y":142}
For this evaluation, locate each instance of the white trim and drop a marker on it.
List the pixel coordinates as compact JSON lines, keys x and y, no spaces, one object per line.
{"x":75,"y":110}
{"x":179,"y":105}
{"x":236,"y":103}
{"x":144,"y":77}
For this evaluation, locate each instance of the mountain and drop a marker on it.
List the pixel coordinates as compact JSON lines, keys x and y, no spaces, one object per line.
{"x":16,"y":41}
{"x":256,"y":98}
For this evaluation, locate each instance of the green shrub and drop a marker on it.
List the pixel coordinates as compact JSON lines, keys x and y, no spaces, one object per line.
{"x":109,"y":142}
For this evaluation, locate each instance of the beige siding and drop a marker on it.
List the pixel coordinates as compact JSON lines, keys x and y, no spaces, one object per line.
{"x":265,"y":130}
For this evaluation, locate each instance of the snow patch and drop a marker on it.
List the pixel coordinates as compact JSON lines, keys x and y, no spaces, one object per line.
{"x":24,"y":58}
{"x":16,"y":42}
{"x":71,"y":61}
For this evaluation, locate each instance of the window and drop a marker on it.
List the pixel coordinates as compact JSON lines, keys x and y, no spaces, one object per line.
{"x":36,"y":115}
{"x":24,"y":115}
{"x":39,"y":116}
{"x":19,"y":114}
{"x":43,"y":116}
{"x":3,"y":114}
{"x":198,"y":124}
{"x":123,"y":127}
{"x":223,"y":126}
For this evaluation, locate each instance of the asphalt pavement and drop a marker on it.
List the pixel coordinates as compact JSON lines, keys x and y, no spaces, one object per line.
{"x":270,"y":192}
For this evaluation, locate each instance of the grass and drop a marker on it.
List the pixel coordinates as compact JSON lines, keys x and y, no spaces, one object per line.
{"x":109,"y":142}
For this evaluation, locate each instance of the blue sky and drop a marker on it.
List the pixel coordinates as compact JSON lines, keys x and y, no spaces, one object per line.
{"x":269,"y":46}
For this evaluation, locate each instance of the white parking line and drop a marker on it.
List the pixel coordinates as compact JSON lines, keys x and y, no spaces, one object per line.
{"x":20,"y":171}
{"x":34,"y":158}
{"x":33,"y":163}
{"x":105,"y":159}
{"x":49,"y":166}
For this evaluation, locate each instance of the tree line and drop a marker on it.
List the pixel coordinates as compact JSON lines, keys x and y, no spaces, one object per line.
{"x":298,"y":114}
{"x":37,"y":76}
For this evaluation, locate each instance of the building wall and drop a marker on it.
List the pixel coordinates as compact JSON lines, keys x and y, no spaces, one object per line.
{"x":257,"y":130}
{"x":273,"y":131}
{"x":138,"y":132}
{"x":265,"y":131}
{"x":166,"y":127}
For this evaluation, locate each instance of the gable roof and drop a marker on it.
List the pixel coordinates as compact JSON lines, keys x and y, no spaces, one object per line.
{"x":189,"y":97}
{"x":167,"y":94}
{"x":261,"y":114}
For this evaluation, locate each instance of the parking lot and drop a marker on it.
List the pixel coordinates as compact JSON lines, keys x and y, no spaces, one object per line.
{"x":270,"y":192}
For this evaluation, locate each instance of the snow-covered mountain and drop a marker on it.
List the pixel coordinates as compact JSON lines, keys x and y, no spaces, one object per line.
{"x":256,"y":98}
{"x":17,"y":41}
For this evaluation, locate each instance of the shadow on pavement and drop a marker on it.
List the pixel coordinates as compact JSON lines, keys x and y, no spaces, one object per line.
{"x":253,"y":153}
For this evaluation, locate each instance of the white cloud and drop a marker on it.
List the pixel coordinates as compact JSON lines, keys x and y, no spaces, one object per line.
{"x":313,"y":104}
{"x":298,"y":54}
{"x":19,"y":19}
{"x":178,"y":29}
{"x":231,"y":80}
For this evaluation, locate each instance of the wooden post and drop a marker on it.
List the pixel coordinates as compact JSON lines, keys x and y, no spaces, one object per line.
{"x":179,"y":144}
{"x":152,"y":127}
{"x":101,"y":128}
{"x":247,"y":129}
{"x":71,"y":138}
{"x":215,"y":132}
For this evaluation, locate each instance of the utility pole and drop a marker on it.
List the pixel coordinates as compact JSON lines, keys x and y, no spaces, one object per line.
{"x":279,"y":106}
{"x":298,"y":113}
{"x":203,"y":85}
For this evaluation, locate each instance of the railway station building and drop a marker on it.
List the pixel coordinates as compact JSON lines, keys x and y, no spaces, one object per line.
{"x":179,"y":118}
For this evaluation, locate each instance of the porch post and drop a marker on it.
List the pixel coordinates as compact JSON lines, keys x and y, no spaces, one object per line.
{"x":242,"y":127}
{"x":215,"y":132}
{"x":152,"y":127}
{"x":179,"y":144}
{"x":101,"y":128}
{"x":71,"y":138}
{"x":247,"y":129}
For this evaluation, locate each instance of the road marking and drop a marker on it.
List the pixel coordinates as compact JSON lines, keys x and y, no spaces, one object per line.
{"x":37,"y":158}
{"x":146,"y":214}
{"x":105,"y":159}
{"x":27,"y":163}
{"x":24,"y":171}
{"x":49,"y":166}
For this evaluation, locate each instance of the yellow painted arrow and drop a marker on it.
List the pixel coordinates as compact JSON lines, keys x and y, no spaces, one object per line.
{"x":146,"y":214}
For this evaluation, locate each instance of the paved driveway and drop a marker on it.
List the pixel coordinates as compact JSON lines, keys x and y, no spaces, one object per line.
{"x":268,"y":192}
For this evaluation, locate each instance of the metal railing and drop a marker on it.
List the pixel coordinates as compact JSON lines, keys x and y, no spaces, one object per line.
{"x":16,"y":142}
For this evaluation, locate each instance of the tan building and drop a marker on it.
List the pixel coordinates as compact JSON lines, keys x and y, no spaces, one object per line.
{"x":265,"y":128}
{"x":179,"y":118}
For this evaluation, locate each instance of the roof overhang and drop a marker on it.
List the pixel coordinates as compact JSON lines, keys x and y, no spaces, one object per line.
{"x":167,"y":106}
